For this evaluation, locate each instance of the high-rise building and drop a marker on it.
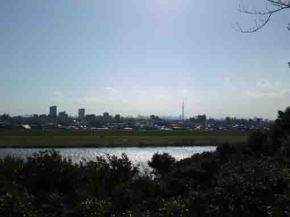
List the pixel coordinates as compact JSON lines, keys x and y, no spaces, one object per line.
{"x":53,"y":111}
{"x":82,"y":113}
{"x":117,"y":118}
{"x":201,"y":119}
{"x":43,"y":117}
{"x":106,"y":115}
{"x":62,"y":116}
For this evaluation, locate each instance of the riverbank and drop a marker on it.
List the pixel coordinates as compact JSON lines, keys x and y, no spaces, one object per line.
{"x":115,"y":141}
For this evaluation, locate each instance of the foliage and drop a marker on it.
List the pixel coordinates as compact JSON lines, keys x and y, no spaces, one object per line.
{"x":94,"y":208}
{"x":256,"y":142}
{"x":161,"y":163}
{"x":237,"y":180}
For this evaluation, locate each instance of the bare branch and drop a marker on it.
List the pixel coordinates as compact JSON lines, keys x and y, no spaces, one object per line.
{"x":279,"y":3}
{"x":266,"y":12}
{"x":276,"y":6}
{"x":257,"y":27}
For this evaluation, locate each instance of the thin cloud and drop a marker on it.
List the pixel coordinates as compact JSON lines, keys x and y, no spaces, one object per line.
{"x":228,"y":79}
{"x":284,"y":93}
{"x":111,"y":89}
{"x":58,"y":94}
{"x":268,"y":84}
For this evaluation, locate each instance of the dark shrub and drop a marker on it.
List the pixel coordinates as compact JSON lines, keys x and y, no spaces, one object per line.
{"x":225,"y":150}
{"x":174,"y":208}
{"x":47,"y":172}
{"x":256,"y":142}
{"x":11,"y":206}
{"x":94,"y":208}
{"x":161,"y":163}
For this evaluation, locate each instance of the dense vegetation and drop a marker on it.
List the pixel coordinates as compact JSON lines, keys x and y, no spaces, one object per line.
{"x":246,"y":180}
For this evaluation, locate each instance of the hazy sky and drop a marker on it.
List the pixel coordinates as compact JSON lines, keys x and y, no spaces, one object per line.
{"x":141,"y":57}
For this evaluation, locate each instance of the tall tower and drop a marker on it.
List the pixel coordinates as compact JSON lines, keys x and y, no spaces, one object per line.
{"x":182,"y":116}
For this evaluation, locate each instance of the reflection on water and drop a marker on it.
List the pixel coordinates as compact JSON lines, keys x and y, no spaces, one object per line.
{"x":138,"y":156}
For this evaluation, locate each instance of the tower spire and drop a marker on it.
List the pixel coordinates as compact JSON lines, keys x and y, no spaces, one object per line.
{"x":182,"y":110}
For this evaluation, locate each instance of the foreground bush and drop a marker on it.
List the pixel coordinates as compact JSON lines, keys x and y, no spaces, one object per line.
{"x":249,"y":180}
{"x":229,"y":182}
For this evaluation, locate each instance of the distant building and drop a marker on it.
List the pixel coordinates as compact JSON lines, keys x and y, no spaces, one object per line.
{"x":117,"y":118}
{"x":201,"y":119}
{"x":63,"y":115}
{"x":53,"y":111}
{"x":106,"y":115}
{"x":43,"y":117}
{"x":25,"y":126}
{"x":82,"y":114}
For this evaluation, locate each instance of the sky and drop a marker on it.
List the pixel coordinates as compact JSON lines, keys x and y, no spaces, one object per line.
{"x":142,"y":57}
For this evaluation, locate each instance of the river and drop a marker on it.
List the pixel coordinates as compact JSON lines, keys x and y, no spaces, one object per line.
{"x":138,"y":155}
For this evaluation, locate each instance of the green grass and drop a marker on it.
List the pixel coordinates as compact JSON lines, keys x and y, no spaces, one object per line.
{"x":22,"y":132}
{"x":65,"y":138}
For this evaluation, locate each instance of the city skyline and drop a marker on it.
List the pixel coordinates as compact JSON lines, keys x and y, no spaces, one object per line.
{"x":54,"y":111}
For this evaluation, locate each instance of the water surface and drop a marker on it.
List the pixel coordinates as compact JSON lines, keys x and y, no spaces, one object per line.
{"x":138,"y":155}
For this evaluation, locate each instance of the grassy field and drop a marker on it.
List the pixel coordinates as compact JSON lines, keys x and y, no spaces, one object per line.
{"x":22,"y":132}
{"x":61,"y":138}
